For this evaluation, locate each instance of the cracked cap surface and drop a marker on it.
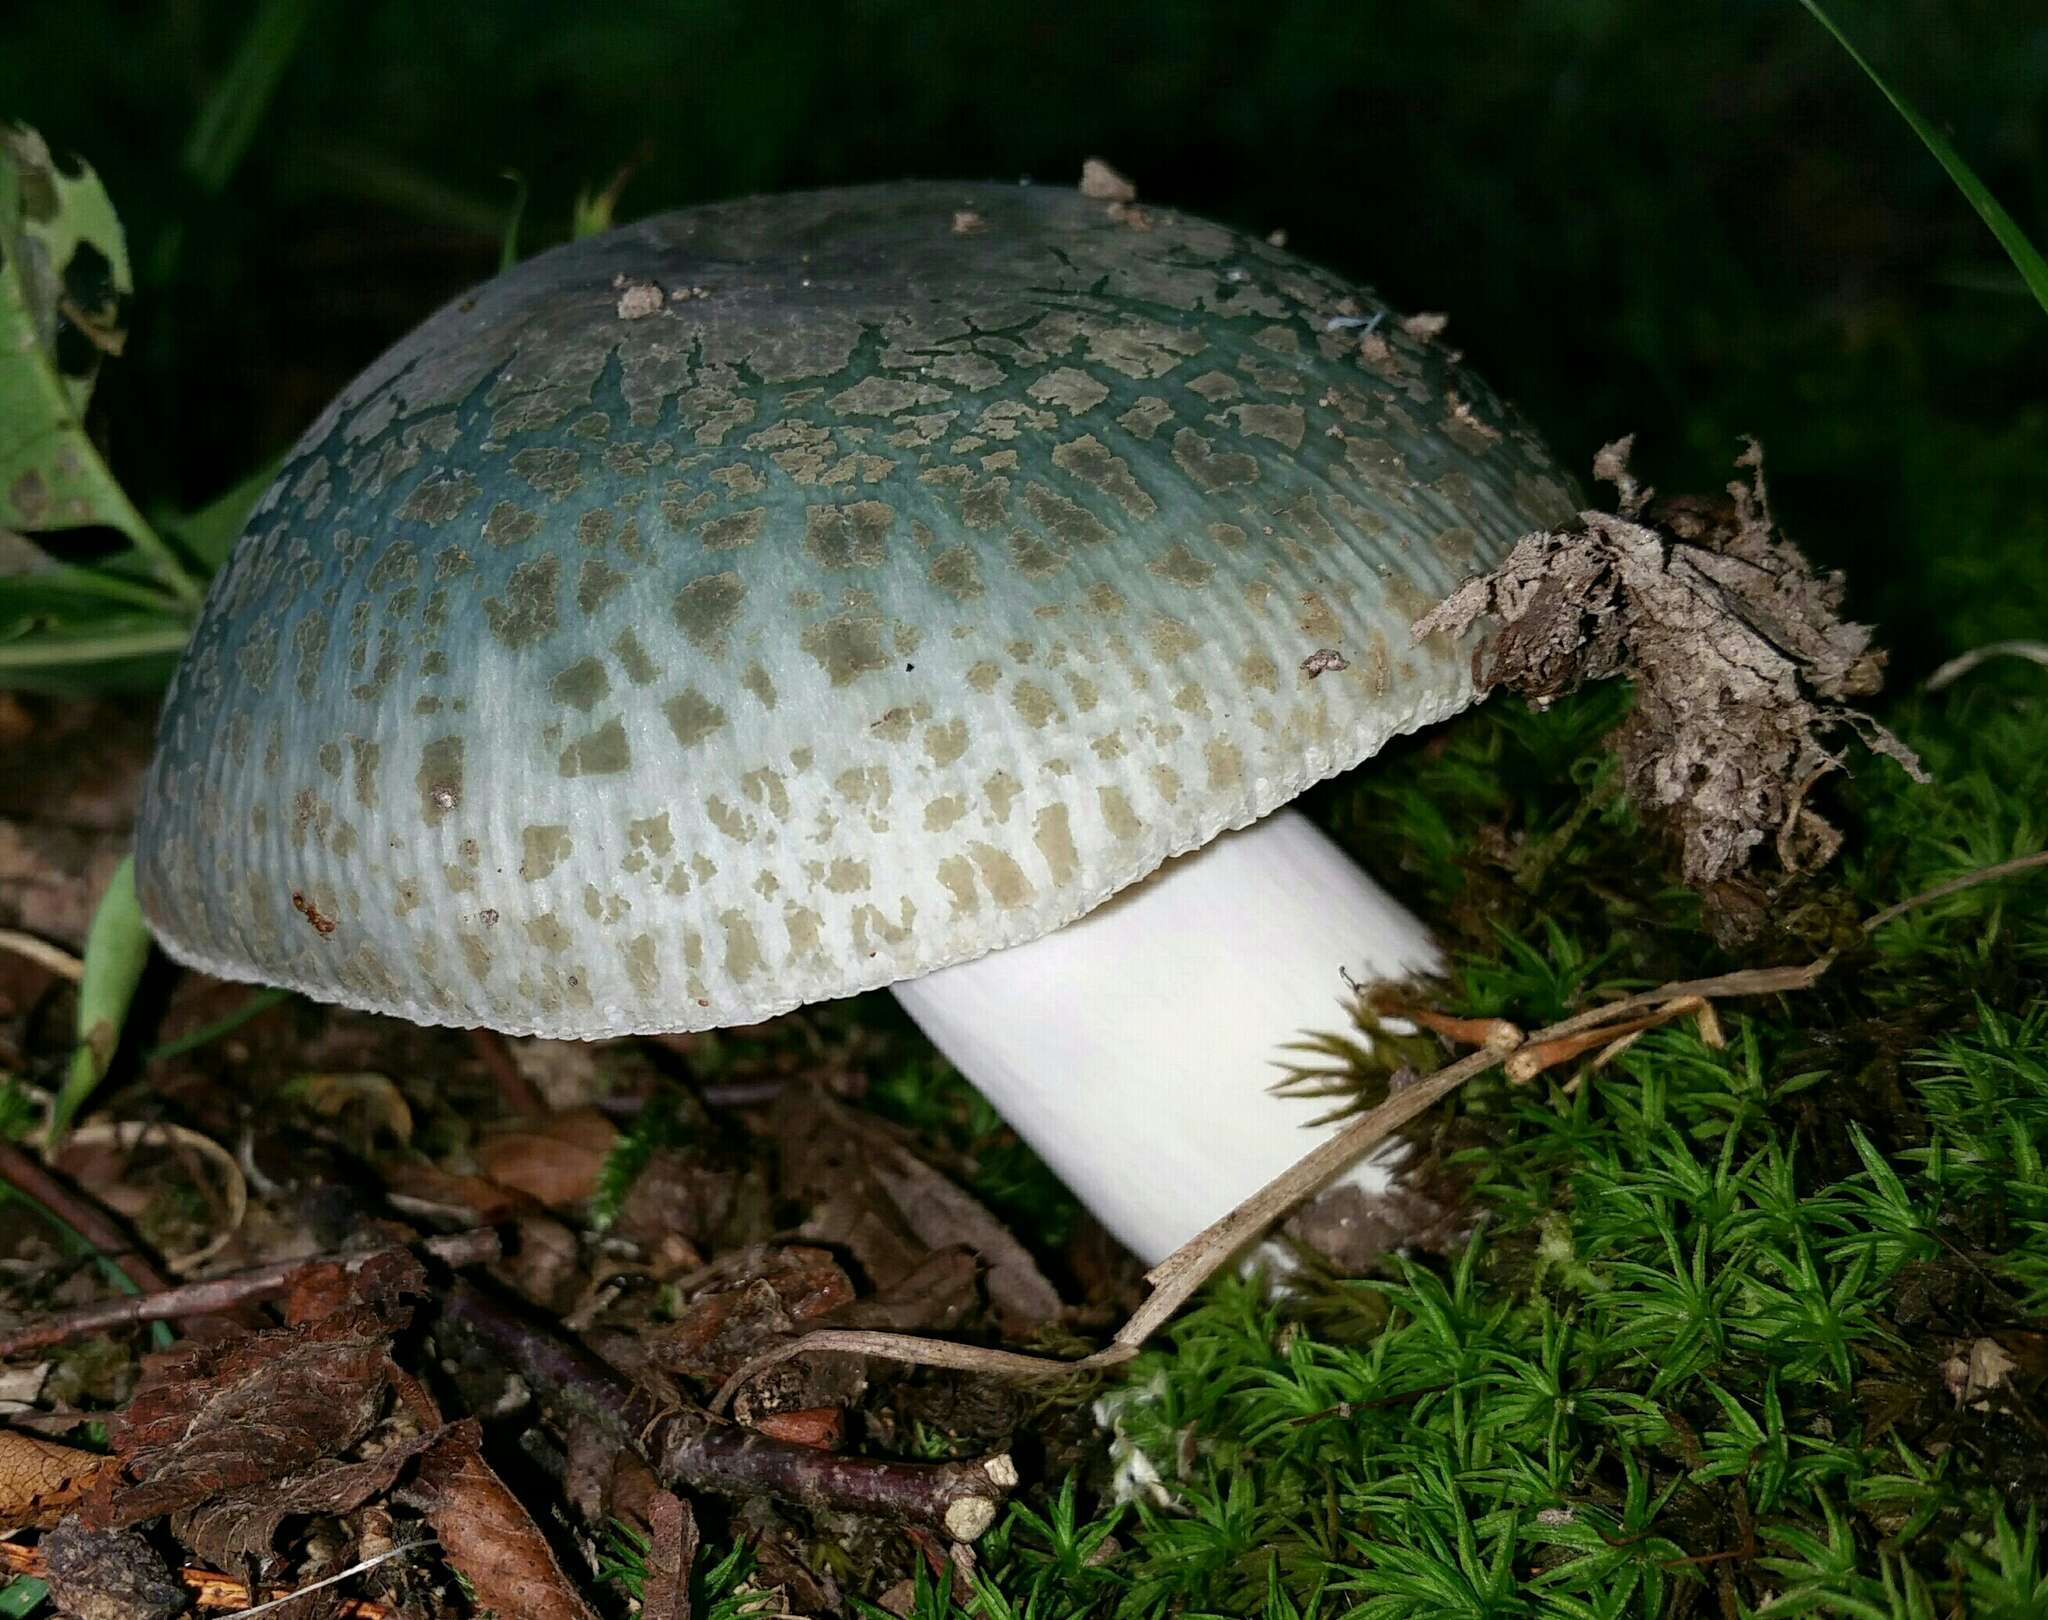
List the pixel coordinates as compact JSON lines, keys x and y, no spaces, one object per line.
{"x":772,"y":600}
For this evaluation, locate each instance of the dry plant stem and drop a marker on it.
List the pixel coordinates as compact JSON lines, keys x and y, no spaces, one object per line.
{"x":1536,"y":1056}
{"x":83,"y":1215}
{"x":1462,"y":1031}
{"x":50,"y":958}
{"x":209,"y":1591}
{"x":1956,"y":668}
{"x":1178,"y":1277}
{"x":1969,"y":880}
{"x":689,"y":1451}
{"x":214,"y":1295}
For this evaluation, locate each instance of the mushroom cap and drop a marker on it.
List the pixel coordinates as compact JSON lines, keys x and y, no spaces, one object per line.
{"x":771,"y":600}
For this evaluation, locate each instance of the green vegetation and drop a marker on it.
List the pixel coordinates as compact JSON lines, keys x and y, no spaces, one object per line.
{"x":1718,"y":1343}
{"x":1709,"y":1348}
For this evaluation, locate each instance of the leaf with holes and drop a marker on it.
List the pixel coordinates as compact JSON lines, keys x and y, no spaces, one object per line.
{"x":64,"y":292}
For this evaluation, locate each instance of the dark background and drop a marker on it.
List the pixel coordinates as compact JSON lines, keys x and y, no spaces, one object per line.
{"x":1689,"y":221}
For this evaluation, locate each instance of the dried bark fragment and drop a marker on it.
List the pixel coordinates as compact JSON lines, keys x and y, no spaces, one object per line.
{"x":671,"y":1550}
{"x":1740,"y":660}
{"x":108,"y":1575}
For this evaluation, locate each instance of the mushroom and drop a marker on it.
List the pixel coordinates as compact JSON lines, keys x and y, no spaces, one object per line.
{"x":784,"y":598}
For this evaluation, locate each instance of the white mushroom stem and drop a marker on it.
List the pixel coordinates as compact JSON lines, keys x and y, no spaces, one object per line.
{"x":1135,"y":1048}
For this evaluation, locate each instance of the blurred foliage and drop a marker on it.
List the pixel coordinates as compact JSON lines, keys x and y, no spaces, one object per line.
{"x":1689,"y":222}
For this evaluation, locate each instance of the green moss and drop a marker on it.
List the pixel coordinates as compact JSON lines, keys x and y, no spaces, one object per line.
{"x":1698,"y":1355}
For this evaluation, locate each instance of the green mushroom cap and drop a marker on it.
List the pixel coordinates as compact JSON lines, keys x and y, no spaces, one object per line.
{"x":772,"y":600}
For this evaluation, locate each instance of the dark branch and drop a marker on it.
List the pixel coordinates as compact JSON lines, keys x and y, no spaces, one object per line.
{"x":690,"y":1450}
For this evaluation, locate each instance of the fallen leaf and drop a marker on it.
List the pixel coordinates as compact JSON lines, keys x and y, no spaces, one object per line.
{"x":1975,"y":1374}
{"x":893,"y":1210}
{"x":221,"y":1417}
{"x":237,"y":1525}
{"x":40,"y":1478}
{"x":763,"y":1298}
{"x":375,"y":1098}
{"x":555,"y":1160}
{"x":488,"y":1536}
{"x":822,"y":1428}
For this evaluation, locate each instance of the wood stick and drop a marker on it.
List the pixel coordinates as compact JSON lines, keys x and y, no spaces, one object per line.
{"x":212,"y":1295}
{"x":689,"y":1450}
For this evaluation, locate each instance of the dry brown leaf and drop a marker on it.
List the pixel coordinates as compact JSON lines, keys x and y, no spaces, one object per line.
{"x":489,"y":1536}
{"x":822,"y":1428}
{"x":39,"y":1478}
{"x":769,"y":1294}
{"x":223,"y":1417}
{"x":374,"y":1097}
{"x":237,"y":1525}
{"x":935,"y":1298}
{"x":1740,"y":660}
{"x":678,"y":1195}
{"x":1978,"y":1373}
{"x":871,"y":1193}
{"x":417,"y":1188}
{"x":554,"y":1160}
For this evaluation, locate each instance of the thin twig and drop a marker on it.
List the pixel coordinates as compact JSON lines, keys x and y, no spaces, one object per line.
{"x":1181,"y":1274}
{"x":1956,"y":668}
{"x":51,"y":958}
{"x":214,"y":1295}
{"x":84,"y":1217}
{"x":1175,"y":1278}
{"x":689,"y":1450}
{"x":1969,"y":880}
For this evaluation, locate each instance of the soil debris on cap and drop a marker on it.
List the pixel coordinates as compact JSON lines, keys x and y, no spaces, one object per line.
{"x":1740,"y":659}
{"x":1105,"y":184}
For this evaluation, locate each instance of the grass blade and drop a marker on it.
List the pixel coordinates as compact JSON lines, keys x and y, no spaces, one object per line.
{"x":2025,"y":256}
{"x":116,"y":948}
{"x":228,"y":122}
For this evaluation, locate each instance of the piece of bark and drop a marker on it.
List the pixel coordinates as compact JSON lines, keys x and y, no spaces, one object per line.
{"x":671,"y":1550}
{"x":108,"y":1575}
{"x":1741,"y":663}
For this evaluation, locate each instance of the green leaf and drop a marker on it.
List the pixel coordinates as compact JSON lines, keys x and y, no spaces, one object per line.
{"x":2025,"y":256}
{"x":116,"y":948}
{"x":210,"y":532}
{"x":22,"y":1596}
{"x":64,"y":286}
